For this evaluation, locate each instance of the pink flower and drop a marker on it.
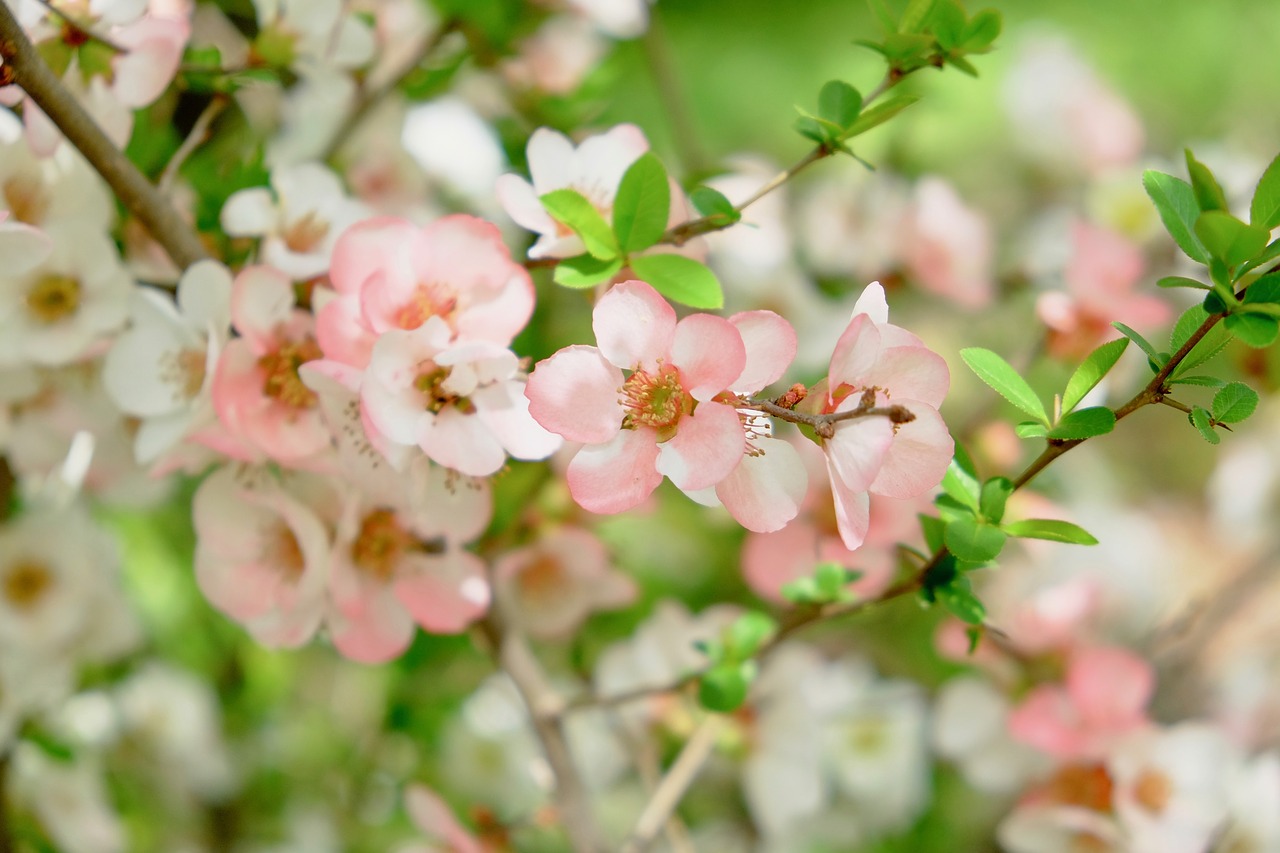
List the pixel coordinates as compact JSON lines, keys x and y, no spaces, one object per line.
{"x":550,"y":587}
{"x":661,"y":419}
{"x":879,"y":361}
{"x":949,"y":250}
{"x":391,"y":274}
{"x":434,"y":819}
{"x":260,"y":400}
{"x":1104,"y":696}
{"x":462,"y":403}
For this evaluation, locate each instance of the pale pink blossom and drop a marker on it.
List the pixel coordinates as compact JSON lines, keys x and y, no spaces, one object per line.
{"x":622,"y":19}
{"x":594,"y":168}
{"x":299,"y":219}
{"x":557,"y":57}
{"x":319,"y":33}
{"x":949,"y":248}
{"x":393,"y":275}
{"x":1104,"y":696}
{"x":434,"y":819}
{"x":550,"y":587}
{"x":1040,"y":827}
{"x":890,"y":366}
{"x":462,"y":403}
{"x":263,"y":406}
{"x":662,"y":419}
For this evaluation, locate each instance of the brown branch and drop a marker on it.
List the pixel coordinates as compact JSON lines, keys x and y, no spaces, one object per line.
{"x":673,"y":786}
{"x":24,"y":67}
{"x":825,"y":424}
{"x":80,"y":29}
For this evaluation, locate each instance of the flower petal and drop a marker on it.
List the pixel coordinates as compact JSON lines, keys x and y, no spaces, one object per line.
{"x":634,"y":326}
{"x":855,"y":354}
{"x":444,"y":594}
{"x":574,"y":393}
{"x":765,"y":491}
{"x":918,"y":456}
{"x":770,"y":342}
{"x":612,"y":477}
{"x":706,"y":448}
{"x":710,"y":354}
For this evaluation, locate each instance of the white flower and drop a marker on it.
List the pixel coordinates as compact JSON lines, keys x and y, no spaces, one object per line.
{"x":970,"y":729}
{"x":71,"y":801}
{"x":159,"y":370}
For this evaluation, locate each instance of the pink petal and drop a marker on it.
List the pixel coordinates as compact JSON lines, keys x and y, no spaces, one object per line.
{"x":706,"y":448}
{"x":549,"y":154}
{"x":765,"y":492}
{"x":853,"y":513}
{"x":710,"y":354}
{"x":444,"y":594}
{"x":855,"y":354}
{"x":1110,"y":687}
{"x":261,"y":300}
{"x":1047,"y":721}
{"x":857,"y":451}
{"x":912,"y":373}
{"x":461,"y":442}
{"x":574,"y":393}
{"x":521,"y":203}
{"x":367,"y":247}
{"x":872,"y":303}
{"x":918,"y":456}
{"x":612,"y":477}
{"x":770,"y":342}
{"x":341,"y":333}
{"x":634,"y":326}
{"x":381,"y":632}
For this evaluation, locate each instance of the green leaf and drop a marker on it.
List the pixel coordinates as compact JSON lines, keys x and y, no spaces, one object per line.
{"x":1201,"y":420}
{"x":878,"y":115}
{"x":1234,"y":402}
{"x":932,"y":528}
{"x":802,"y":591}
{"x":1208,"y":194}
{"x":56,"y":53}
{"x":947,"y":23}
{"x":585,"y":271}
{"x":883,"y":15}
{"x":1091,"y":371}
{"x":961,"y":485}
{"x":973,"y":540}
{"x":914,"y":16}
{"x":724,"y":687}
{"x":957,"y":61}
{"x":747,"y":634}
{"x":1176,"y":202}
{"x":995,"y":493}
{"x":1210,"y":345}
{"x":643,"y":204}
{"x":958,"y":598}
{"x":1228,"y":239}
{"x":1206,"y":381}
{"x":815,"y":129}
{"x":1143,"y":344}
{"x":680,"y":279}
{"x":1268,"y":254}
{"x":1256,"y":330}
{"x":1264,"y":290}
{"x":839,"y":102}
{"x":982,"y":31}
{"x":1051,"y":529}
{"x":1180,"y":281}
{"x":713,"y":203}
{"x":1004,"y":380}
{"x":572,"y":209}
{"x":1264,"y":210}
{"x":1085,"y":423}
{"x":1031,"y":429}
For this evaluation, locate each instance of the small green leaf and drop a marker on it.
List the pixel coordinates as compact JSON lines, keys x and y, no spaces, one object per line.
{"x":1143,"y":344}
{"x":995,"y":493}
{"x":1268,"y":254}
{"x":1264,"y":290}
{"x":959,"y":62}
{"x":1256,"y":330}
{"x":680,"y":279}
{"x":747,"y":634}
{"x":1176,"y":202}
{"x":572,"y":209}
{"x":724,"y":687}
{"x":1234,"y":402}
{"x":1091,"y":371}
{"x":1264,"y":210}
{"x":802,"y":591}
{"x":585,"y":271}
{"x":1208,"y":194}
{"x":840,"y":103}
{"x":982,"y":31}
{"x":815,"y":129}
{"x":1206,"y":381}
{"x":947,"y":23}
{"x":1210,"y":345}
{"x":643,"y":204}
{"x":932,"y":529}
{"x":878,"y":115}
{"x":961,"y":485}
{"x":1085,"y":423}
{"x":1004,"y":380}
{"x":1031,"y":429}
{"x":1051,"y":529}
{"x":1228,"y":239}
{"x":713,"y":203}
{"x":1180,"y":281}
{"x":883,"y":15}
{"x":914,"y":16}
{"x":972,"y":540}
{"x":1201,"y":420}
{"x":56,"y":53}
{"x":958,"y":598}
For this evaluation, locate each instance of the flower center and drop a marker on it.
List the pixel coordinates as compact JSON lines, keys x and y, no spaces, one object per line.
{"x":1085,"y":785}
{"x":428,"y":300}
{"x":654,"y":399}
{"x":53,"y":298}
{"x":25,"y":583}
{"x":280,"y":369}
{"x":431,"y":384}
{"x":1152,"y":790}
{"x":304,"y":235}
{"x":544,"y":579}
{"x":283,"y":550}
{"x":184,"y":371}
{"x":25,"y":197}
{"x":380,"y":544}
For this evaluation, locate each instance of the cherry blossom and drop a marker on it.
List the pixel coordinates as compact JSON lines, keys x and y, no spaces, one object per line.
{"x":434,"y":819}
{"x":948,"y":247}
{"x":884,"y":364}
{"x":661,"y":420}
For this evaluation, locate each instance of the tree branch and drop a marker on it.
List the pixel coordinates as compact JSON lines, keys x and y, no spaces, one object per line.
{"x":24,"y":67}
{"x":673,"y":786}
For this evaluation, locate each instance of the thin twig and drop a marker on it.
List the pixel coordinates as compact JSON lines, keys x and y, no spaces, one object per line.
{"x":24,"y":67}
{"x":82,"y":29}
{"x":673,"y":786}
{"x":199,"y":133}
{"x":825,"y":424}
